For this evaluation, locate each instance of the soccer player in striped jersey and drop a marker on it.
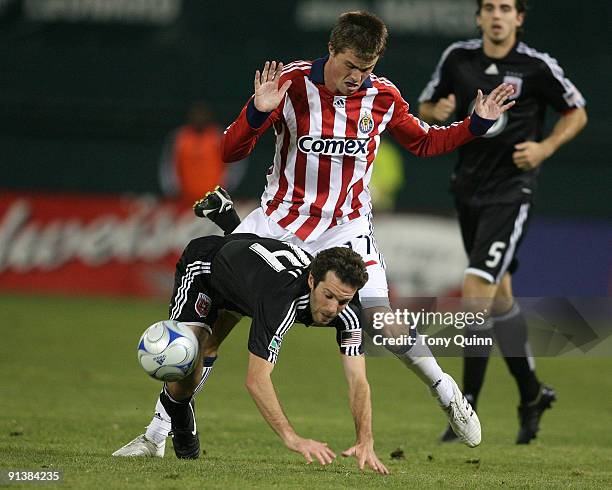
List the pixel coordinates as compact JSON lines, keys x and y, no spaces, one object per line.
{"x":328,"y":116}
{"x":276,"y":284}
{"x":496,"y":177}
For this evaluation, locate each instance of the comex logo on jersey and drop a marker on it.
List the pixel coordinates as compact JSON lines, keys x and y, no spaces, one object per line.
{"x":333,"y":146}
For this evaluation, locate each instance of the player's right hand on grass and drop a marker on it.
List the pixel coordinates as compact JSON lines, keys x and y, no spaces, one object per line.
{"x":309,"y":448}
{"x":364,"y":453}
{"x":267,"y":93}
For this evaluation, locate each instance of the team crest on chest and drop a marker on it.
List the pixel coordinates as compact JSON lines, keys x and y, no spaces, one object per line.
{"x":202,"y":305}
{"x":517,"y":83}
{"x":366,"y":122}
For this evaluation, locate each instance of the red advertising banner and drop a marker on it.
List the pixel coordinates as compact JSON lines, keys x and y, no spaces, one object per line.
{"x":85,"y":244}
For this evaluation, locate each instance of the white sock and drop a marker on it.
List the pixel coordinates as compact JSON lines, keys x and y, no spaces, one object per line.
{"x":421,"y":362}
{"x":443,"y":391}
{"x":159,"y":428}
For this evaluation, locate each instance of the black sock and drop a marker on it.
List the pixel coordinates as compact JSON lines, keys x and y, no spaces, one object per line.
{"x":475,"y":360}
{"x":180,"y":412}
{"x":511,"y":333}
{"x":227,"y":221}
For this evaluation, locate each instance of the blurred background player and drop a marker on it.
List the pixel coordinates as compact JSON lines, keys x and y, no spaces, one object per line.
{"x":190,"y":163}
{"x":217,"y":273}
{"x":495,"y":179}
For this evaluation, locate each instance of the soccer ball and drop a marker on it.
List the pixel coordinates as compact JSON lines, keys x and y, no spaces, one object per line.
{"x":168,"y":350}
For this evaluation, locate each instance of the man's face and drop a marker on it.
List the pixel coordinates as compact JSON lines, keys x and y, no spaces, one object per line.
{"x":328,"y":298}
{"x":345,"y":71}
{"x":499,"y":20}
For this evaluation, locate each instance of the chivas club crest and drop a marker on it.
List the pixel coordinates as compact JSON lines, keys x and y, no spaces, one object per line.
{"x":366,"y":123}
{"x":202,"y":305}
{"x":517,"y":83}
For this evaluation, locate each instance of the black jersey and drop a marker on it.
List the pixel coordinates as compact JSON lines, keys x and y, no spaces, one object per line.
{"x":485,"y":172}
{"x":259,"y":277}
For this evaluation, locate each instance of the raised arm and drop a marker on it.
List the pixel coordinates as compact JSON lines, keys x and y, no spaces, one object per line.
{"x":268,"y":94}
{"x":258,"y":114}
{"x":259,"y":384}
{"x":424,"y":140}
{"x":361,"y":408}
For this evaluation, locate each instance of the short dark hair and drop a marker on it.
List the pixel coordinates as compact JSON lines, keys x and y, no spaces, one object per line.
{"x":344,"y":262}
{"x":520,"y":5}
{"x":361,"y":31}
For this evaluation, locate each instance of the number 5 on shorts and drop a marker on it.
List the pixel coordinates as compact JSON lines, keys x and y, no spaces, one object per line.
{"x":495,"y":252}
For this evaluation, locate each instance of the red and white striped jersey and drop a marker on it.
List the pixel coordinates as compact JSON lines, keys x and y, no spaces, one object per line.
{"x":326,"y":145}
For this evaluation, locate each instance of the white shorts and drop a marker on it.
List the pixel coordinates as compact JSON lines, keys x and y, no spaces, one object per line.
{"x":356,"y":234}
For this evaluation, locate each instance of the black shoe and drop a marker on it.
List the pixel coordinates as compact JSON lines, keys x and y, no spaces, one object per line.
{"x":531,"y":413}
{"x":185,"y":439}
{"x":213,"y":203}
{"x":183,"y":428}
{"x":218,"y":207}
{"x":449,"y":435}
{"x":186,"y":444}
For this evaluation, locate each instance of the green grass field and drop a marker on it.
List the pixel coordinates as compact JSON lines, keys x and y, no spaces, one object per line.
{"x":72,"y":392}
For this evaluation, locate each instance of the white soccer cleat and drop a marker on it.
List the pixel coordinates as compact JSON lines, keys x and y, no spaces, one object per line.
{"x":141,"y":447}
{"x":462,"y":417}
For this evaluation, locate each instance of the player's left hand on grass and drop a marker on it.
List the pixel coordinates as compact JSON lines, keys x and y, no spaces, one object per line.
{"x":364,"y":453}
{"x":492,"y":106}
{"x":530,"y":154}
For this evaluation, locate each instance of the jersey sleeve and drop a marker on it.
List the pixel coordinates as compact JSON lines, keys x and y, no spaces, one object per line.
{"x":424,"y":140}
{"x":272,"y":319}
{"x":440,"y":85}
{"x":349,"y":333}
{"x":242,"y":135}
{"x":556,"y":89}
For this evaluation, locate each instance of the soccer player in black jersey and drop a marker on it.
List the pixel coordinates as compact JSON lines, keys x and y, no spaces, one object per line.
{"x":276,"y":284}
{"x":495,"y":179}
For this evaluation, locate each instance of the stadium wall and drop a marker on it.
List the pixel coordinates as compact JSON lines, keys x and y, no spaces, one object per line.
{"x":115,"y":245}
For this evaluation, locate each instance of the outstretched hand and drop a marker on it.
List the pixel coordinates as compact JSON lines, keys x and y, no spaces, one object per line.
{"x":364,"y":453}
{"x":267,"y":93}
{"x":492,"y":106}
